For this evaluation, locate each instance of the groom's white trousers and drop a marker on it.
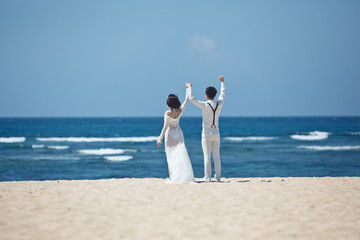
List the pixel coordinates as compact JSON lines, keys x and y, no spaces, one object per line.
{"x":211,"y":145}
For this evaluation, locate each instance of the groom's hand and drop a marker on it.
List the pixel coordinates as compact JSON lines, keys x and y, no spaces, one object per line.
{"x":188,"y":84}
{"x":221,"y":79}
{"x":159,"y":144}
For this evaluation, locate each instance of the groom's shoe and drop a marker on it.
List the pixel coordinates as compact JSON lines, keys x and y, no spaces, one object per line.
{"x":218,"y":180}
{"x":204,"y":180}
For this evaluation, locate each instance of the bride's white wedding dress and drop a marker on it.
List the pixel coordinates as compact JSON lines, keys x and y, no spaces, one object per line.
{"x":178,"y":160}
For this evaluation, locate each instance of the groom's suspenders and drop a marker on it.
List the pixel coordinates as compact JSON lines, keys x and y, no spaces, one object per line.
{"x":214,"y":110}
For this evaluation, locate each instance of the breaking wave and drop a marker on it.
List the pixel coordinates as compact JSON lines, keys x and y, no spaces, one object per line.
{"x":316,"y":135}
{"x":118,"y":158}
{"x":12,"y":139}
{"x":95,"y":139}
{"x":239,"y":139}
{"x":330,"y":148}
{"x":50,"y":146}
{"x":58,"y":147}
{"x":37,"y":146}
{"x":104,"y":151}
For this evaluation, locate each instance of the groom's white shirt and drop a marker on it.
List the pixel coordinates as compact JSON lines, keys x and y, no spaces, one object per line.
{"x":207,"y":112}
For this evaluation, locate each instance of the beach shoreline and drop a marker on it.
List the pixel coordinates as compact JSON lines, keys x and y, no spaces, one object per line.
{"x":148,"y":208}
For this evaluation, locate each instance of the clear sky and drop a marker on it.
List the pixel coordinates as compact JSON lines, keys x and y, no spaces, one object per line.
{"x":122,"y":58}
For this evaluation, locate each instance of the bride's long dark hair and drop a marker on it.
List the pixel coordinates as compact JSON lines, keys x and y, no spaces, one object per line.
{"x":173,"y":101}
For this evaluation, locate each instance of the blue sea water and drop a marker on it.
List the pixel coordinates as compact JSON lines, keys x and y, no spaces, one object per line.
{"x":99,"y":148}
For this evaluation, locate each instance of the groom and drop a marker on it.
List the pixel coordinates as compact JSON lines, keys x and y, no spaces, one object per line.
{"x":210,"y":133}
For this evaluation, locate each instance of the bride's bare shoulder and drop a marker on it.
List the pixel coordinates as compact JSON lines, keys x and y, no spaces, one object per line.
{"x":169,"y":113}
{"x":173,"y":114}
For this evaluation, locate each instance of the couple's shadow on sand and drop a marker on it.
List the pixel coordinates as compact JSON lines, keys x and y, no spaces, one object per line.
{"x":228,"y":181}
{"x":212,"y":181}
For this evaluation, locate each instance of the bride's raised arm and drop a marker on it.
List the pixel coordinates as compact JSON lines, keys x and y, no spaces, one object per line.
{"x":183,"y":106}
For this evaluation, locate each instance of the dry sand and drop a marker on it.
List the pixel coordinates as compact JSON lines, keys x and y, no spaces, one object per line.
{"x":285,"y":208}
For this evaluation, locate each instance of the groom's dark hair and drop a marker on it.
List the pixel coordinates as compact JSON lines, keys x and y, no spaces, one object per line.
{"x":211,"y":92}
{"x":173,"y":101}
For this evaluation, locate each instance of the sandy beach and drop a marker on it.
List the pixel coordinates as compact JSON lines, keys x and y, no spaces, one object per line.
{"x":237,"y":208}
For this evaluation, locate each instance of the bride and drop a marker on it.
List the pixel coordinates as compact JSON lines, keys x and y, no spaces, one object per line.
{"x":180,"y":169}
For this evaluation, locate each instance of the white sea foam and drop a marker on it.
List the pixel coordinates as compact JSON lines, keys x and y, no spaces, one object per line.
{"x":51,"y":146}
{"x":330,"y":148}
{"x":118,"y":158}
{"x":12,"y":139}
{"x":37,"y":146}
{"x":239,"y":139}
{"x":44,"y":157}
{"x":104,"y":151}
{"x":355,"y":133}
{"x":95,"y":139}
{"x":58,"y":147}
{"x":316,"y":135}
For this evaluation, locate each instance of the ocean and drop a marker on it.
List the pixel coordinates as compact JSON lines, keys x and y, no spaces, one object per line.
{"x":122,"y":147}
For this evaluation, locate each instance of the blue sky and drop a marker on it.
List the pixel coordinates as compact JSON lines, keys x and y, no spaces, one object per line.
{"x":122,"y":58}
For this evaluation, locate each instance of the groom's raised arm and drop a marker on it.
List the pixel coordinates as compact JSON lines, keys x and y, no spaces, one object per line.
{"x":222,"y":91}
{"x":194,"y":101}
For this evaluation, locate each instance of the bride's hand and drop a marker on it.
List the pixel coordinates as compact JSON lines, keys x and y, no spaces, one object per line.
{"x":221,"y":79}
{"x":159,"y":144}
